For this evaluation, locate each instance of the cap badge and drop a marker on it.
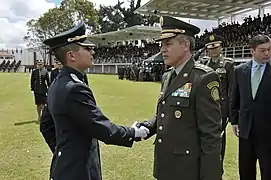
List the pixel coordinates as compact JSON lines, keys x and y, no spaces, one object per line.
{"x":212,"y":38}
{"x":161,"y":21}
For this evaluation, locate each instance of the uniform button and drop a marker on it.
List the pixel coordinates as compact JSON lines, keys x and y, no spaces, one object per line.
{"x":51,"y":179}
{"x":163,"y":102}
{"x":160,"y":128}
{"x":178,"y":103}
{"x":160,"y":141}
{"x":162,"y":115}
{"x":59,"y":153}
{"x":222,"y":98}
{"x":187,"y":152}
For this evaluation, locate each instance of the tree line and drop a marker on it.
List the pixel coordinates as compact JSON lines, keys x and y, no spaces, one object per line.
{"x":101,"y":20}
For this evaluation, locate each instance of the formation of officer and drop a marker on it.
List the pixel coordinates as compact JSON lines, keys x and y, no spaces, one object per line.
{"x":121,"y":72}
{"x":250,"y":110}
{"x":225,"y":68}
{"x":187,"y":122}
{"x":72,"y":123}
{"x":39,"y":83}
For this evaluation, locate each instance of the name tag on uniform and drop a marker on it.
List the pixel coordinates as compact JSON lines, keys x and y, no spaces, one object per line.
{"x":183,"y":91}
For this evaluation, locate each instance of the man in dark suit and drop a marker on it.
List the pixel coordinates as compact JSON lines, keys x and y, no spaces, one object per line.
{"x":39,"y":83}
{"x":250,"y":110}
{"x":224,"y":66}
{"x":72,"y":123}
{"x":187,"y":123}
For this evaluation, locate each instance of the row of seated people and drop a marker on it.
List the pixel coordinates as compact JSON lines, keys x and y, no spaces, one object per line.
{"x":238,"y":34}
{"x":125,"y":54}
{"x":232,"y":52}
{"x":236,"y":37}
{"x":8,"y":66}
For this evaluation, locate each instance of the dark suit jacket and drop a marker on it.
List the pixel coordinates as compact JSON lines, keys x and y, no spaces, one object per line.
{"x":188,"y":126}
{"x":246,"y":111}
{"x":72,"y":123}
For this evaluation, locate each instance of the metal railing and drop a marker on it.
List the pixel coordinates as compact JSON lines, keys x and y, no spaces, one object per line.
{"x":238,"y":53}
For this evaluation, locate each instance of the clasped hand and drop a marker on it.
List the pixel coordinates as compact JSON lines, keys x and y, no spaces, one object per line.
{"x":140,"y":132}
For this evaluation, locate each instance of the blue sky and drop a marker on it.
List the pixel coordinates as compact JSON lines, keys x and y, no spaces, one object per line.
{"x":57,"y":1}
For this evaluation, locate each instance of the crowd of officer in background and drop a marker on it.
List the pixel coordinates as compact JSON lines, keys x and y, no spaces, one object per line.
{"x":144,"y":71}
{"x":141,"y":72}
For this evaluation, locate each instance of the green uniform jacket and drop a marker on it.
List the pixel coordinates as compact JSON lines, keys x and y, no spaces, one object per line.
{"x":225,"y":68}
{"x":187,"y":125}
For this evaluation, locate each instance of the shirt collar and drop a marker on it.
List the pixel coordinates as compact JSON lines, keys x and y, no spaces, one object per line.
{"x":70,"y":70}
{"x":179,"y":68}
{"x":255,"y":64}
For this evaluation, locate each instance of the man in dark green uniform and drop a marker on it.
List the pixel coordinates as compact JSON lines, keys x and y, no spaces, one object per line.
{"x":187,"y":123}
{"x":224,"y":67}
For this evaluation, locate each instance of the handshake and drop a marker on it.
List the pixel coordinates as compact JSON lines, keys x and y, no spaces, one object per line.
{"x":141,"y":130}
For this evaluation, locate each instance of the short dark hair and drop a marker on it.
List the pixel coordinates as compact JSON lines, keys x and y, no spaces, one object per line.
{"x":60,"y":53}
{"x":259,"y":39}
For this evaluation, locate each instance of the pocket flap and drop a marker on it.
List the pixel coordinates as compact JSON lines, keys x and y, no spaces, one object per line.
{"x":178,"y":101}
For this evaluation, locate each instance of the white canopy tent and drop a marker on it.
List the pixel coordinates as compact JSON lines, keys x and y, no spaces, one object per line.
{"x":128,"y":34}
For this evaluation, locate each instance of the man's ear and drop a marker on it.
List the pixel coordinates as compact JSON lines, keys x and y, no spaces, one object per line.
{"x":187,"y":45}
{"x":252,"y":50}
{"x":70,"y":56}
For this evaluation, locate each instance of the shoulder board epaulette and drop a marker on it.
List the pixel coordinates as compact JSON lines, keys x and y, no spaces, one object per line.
{"x":203,"y":67}
{"x":169,"y":69}
{"x":228,"y":59}
{"x":205,"y":58}
{"x":76,"y":79}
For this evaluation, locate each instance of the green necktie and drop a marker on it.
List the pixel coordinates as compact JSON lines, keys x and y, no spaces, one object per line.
{"x":172,"y":77}
{"x":255,"y":81}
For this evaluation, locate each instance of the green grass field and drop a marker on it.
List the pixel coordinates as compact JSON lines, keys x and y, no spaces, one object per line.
{"x":25,"y":155}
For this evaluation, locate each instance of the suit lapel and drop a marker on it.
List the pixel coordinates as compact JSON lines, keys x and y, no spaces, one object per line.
{"x":247,"y":77}
{"x":181,"y":79}
{"x":265,"y":80}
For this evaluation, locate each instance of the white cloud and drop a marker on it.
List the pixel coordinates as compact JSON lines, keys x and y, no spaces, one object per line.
{"x":13,"y":17}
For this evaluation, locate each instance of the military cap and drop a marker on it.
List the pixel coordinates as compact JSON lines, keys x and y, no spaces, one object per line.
{"x":213,"y":41}
{"x":74,"y":35}
{"x":172,"y":27}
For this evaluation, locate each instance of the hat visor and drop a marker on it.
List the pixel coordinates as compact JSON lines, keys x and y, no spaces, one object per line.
{"x":165,"y":36}
{"x":86,"y":43}
{"x":213,"y":46}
